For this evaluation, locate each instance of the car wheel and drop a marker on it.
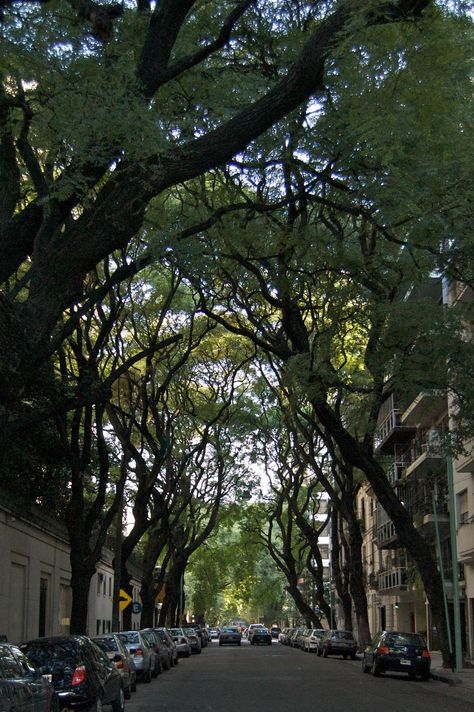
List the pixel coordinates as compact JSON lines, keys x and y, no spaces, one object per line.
{"x":375,"y":669}
{"x":118,"y":705}
{"x":344,"y":656}
{"x":412,"y":675}
{"x":425,"y":676}
{"x":318,"y":652}
{"x":127,"y":693}
{"x":147,"y":676}
{"x":353,"y":656}
{"x":133,"y":685}
{"x":365,"y":667}
{"x":325,"y":653}
{"x":188,"y":654}
{"x":97,"y":706}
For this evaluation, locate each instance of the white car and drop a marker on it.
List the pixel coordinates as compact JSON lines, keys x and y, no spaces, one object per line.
{"x":310,"y":641}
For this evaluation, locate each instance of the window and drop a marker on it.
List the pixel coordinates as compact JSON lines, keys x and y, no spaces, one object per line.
{"x":463,"y":507}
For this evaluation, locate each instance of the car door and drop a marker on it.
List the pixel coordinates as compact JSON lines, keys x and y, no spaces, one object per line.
{"x":110,"y":676}
{"x":39,"y":689}
{"x":19,"y":691}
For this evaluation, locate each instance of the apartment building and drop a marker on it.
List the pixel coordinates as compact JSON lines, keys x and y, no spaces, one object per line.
{"x":411,"y":442}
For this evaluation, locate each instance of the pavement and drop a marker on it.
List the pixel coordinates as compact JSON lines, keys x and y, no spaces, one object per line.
{"x":438,"y":672}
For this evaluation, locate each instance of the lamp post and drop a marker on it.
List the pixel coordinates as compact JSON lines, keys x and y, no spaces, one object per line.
{"x":454,"y":558}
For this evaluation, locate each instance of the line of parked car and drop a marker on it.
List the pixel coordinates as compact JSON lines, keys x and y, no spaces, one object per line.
{"x":388,"y":651}
{"x":65,"y":673}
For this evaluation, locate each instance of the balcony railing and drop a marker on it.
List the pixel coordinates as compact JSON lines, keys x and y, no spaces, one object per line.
{"x":394,"y":579}
{"x":391,"y":430}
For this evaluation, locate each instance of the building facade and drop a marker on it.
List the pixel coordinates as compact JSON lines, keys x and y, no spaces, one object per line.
{"x":35,"y":590}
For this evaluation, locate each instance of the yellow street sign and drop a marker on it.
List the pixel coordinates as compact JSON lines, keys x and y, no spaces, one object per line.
{"x":160,"y":596}
{"x":125,"y":599}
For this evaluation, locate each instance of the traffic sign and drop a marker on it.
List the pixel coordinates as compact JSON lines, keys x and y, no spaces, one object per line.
{"x":125,"y":599}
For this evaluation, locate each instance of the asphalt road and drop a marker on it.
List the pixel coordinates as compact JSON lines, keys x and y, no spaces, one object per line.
{"x":281,"y":679}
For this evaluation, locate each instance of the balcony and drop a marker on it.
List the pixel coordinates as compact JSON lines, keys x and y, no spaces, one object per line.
{"x":391,"y":431}
{"x":387,"y":537}
{"x":427,"y":407}
{"x":392,"y":580}
{"x":428,"y":458}
{"x":465,"y":541}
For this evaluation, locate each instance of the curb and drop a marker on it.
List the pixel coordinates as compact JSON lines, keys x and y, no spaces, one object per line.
{"x":445,"y":677}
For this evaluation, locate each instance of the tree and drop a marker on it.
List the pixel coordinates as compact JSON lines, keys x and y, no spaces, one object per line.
{"x":99,"y":120}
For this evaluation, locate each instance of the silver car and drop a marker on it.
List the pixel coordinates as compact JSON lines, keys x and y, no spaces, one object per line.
{"x":118,"y":653}
{"x":142,"y":653}
{"x":182,"y":643}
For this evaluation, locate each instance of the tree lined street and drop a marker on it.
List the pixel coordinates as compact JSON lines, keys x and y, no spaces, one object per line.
{"x":278,"y":678}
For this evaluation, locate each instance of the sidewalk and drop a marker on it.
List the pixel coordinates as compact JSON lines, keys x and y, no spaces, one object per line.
{"x":464,"y":678}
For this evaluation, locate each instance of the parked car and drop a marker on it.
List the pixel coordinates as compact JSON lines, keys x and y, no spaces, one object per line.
{"x":260,"y":636}
{"x":284,"y":636}
{"x":293,"y":637}
{"x":22,"y":688}
{"x":162,"y":653}
{"x":300,"y":636}
{"x":196,"y":630}
{"x":275,"y":631}
{"x":400,"y":652}
{"x":142,"y":653}
{"x":168,"y":641}
{"x":194,"y":640}
{"x":82,"y":675}
{"x":230,"y":635}
{"x":181,"y":641}
{"x":116,"y":651}
{"x":311,"y":639}
{"x":338,"y":642}
{"x":214,"y":633}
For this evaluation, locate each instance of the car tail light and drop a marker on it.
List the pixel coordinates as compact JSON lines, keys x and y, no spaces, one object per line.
{"x":139,"y":652}
{"x":79,"y":675}
{"x":119,"y":665}
{"x":425,"y":654}
{"x":383,"y":650}
{"x":183,"y":640}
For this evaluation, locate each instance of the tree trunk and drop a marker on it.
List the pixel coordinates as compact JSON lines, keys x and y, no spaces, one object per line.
{"x":81,"y":575}
{"x":305,"y":609}
{"x":357,"y":583}
{"x":340,"y":575}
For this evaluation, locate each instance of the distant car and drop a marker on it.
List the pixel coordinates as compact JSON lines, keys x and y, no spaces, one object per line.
{"x":311,"y":639}
{"x":22,"y":688}
{"x":275,"y":631}
{"x":162,"y":652}
{"x":192,"y":633}
{"x":116,"y":651}
{"x":251,"y":627}
{"x":194,"y":640}
{"x":214,"y":633}
{"x":338,"y":642}
{"x":260,"y":636}
{"x":142,"y":653}
{"x":293,"y":636}
{"x":300,"y":636}
{"x":82,"y":675}
{"x":400,"y":652}
{"x":181,"y":641}
{"x":230,"y":635}
{"x":170,"y":644}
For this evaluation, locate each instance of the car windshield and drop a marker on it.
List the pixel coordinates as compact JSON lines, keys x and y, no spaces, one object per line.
{"x":109,"y":645}
{"x":229,"y":630}
{"x":404,"y":639}
{"x":342,"y":635}
{"x":176,"y":631}
{"x":130,"y":637}
{"x":52,"y":655}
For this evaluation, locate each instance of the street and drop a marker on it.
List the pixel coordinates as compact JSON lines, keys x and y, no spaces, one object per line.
{"x":280,"y":679}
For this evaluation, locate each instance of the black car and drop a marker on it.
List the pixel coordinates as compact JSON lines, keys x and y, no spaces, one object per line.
{"x":260,"y":636}
{"x":338,"y":642}
{"x":82,"y":675}
{"x":400,"y":652}
{"x":22,"y":688}
{"x":230,"y":635}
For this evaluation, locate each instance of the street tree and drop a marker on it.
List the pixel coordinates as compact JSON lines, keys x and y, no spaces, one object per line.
{"x":104,"y":108}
